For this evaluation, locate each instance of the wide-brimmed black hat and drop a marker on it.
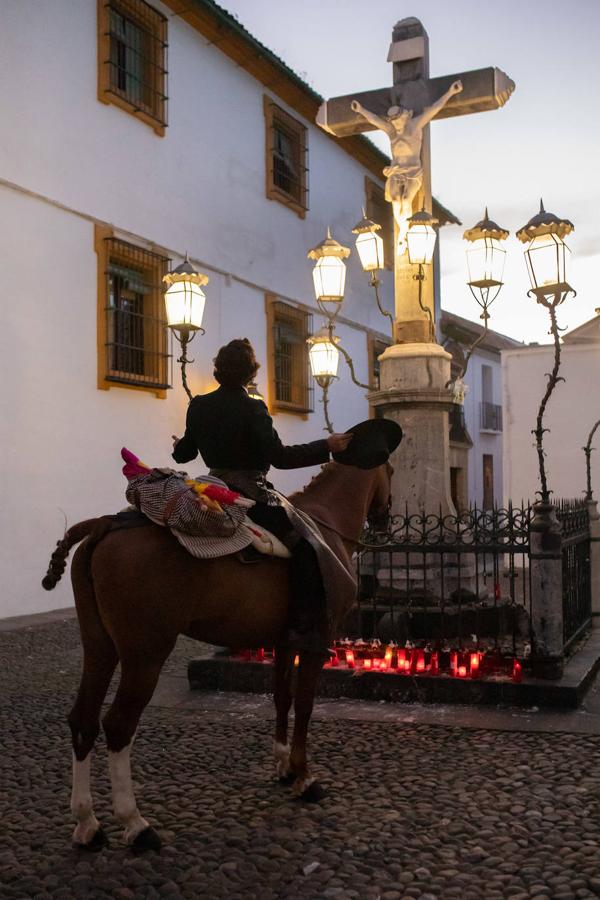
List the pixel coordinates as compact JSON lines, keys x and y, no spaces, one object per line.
{"x":371,"y":445}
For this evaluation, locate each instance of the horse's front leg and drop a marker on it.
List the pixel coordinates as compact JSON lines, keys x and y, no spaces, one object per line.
{"x":305,"y":786}
{"x":284,"y":668}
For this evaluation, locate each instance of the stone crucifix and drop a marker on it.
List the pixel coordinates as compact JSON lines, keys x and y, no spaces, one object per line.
{"x":403,"y":113}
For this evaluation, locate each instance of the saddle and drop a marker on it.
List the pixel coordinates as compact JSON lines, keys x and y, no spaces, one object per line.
{"x":207,"y":518}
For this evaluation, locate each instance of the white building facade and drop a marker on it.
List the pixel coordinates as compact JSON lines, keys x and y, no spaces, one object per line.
{"x":111,"y":169}
{"x":476,"y":427}
{"x":572,"y":410}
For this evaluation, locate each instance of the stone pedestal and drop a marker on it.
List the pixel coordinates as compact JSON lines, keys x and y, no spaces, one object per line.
{"x":546,"y":593}
{"x":413,"y":392}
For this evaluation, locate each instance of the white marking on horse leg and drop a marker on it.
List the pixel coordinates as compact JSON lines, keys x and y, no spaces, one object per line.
{"x":302,"y":784}
{"x":81,"y":801}
{"x":124,"y":804}
{"x":281,"y":753}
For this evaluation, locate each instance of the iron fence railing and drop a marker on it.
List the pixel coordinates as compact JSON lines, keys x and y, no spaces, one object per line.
{"x":448,"y":581}
{"x":576,"y":570}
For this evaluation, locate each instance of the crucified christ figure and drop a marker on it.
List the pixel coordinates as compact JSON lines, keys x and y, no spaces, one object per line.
{"x":404,"y":176}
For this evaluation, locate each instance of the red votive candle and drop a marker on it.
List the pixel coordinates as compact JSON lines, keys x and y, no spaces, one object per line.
{"x":334,"y":661}
{"x":368,"y":663}
{"x":462,"y":671}
{"x":350,"y":659}
{"x":453,"y":662}
{"x":517,"y":672}
{"x":387,"y":659}
{"x":434,"y":664}
{"x":474,"y":660}
{"x":420,"y":666}
{"x":377,"y":662}
{"x":260,"y":654}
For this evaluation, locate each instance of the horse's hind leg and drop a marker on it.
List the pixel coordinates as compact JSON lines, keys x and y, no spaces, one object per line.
{"x":138,"y":681}
{"x":305,"y":785}
{"x":284,"y":667}
{"x":84,"y":721}
{"x":99,"y":662}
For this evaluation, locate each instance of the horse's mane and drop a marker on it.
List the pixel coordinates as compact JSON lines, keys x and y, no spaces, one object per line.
{"x":317,"y":481}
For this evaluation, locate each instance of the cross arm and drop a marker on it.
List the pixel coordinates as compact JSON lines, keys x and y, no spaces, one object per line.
{"x":483,"y":89}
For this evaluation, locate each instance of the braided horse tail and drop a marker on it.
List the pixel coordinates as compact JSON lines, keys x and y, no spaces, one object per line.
{"x":94,"y":528}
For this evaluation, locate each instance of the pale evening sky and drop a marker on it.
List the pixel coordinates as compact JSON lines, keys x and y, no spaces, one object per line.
{"x":544,"y":143}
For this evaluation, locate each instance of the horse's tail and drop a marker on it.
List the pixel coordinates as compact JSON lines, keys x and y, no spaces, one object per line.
{"x":94,"y":528}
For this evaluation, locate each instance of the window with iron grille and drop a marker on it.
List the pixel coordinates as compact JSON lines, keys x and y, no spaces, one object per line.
{"x":132,"y":330}
{"x":286,"y":158}
{"x":289,"y":381}
{"x":132,"y":57}
{"x":379,"y":210}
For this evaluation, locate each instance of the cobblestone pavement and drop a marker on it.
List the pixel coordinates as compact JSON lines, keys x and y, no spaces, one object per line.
{"x":412,"y":810}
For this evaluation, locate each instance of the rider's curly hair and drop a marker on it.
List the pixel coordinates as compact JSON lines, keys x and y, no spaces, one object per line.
{"x":235,"y":363}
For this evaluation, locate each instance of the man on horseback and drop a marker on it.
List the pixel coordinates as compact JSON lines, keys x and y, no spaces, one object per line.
{"x":234,"y":434}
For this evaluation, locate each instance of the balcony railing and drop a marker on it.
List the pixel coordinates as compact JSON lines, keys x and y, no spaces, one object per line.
{"x":490,"y":417}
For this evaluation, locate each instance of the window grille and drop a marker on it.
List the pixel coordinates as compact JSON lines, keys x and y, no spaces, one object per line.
{"x":290,"y":388}
{"x":380,"y":211}
{"x":133,"y":46}
{"x":136,"y":346}
{"x":490,"y":417}
{"x":287,"y":159}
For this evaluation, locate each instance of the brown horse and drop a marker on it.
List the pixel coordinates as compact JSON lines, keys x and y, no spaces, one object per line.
{"x":137,"y":589}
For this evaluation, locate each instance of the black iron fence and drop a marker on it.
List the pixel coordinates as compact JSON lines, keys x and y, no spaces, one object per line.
{"x":460,"y":581}
{"x":576,"y":570}
{"x":463,"y":582}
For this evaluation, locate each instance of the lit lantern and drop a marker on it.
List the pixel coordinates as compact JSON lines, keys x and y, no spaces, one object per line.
{"x":323,"y":355}
{"x":485,"y":259}
{"x":184,"y":299}
{"x":369,"y":244}
{"x":517,"y":672}
{"x":421,"y":238}
{"x":254,"y":392}
{"x":329,"y":273}
{"x":546,"y":255}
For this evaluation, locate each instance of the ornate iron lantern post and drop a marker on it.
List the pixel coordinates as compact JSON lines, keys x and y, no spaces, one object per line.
{"x":184,"y":302}
{"x":588,"y":463}
{"x":546,"y":258}
{"x":370,"y":250}
{"x":420,"y":239}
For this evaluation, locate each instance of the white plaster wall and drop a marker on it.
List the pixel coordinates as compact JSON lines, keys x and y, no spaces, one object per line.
{"x":200,"y":188}
{"x":483,"y":442}
{"x":572,"y":410}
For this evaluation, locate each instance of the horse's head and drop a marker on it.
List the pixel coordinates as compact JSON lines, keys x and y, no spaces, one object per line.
{"x":378,"y":512}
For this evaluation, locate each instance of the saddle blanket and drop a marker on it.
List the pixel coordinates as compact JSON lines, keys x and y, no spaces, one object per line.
{"x":202,"y":513}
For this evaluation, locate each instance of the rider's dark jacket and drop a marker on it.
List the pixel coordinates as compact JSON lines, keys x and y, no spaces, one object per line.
{"x":234,"y":432}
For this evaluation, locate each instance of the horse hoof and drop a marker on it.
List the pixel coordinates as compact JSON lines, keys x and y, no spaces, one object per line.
{"x":147,"y":839}
{"x":314,"y":793}
{"x":97,"y":843}
{"x":287,"y":779}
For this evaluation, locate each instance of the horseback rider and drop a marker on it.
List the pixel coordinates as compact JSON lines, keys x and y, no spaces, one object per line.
{"x":235,"y":436}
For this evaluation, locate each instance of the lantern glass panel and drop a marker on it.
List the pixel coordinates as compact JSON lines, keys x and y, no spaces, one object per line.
{"x":421,"y":244}
{"x":546,"y":261}
{"x":329,"y":276}
{"x":184,"y":303}
{"x":370,"y":250}
{"x":324,"y":357}
{"x":485,"y":261}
